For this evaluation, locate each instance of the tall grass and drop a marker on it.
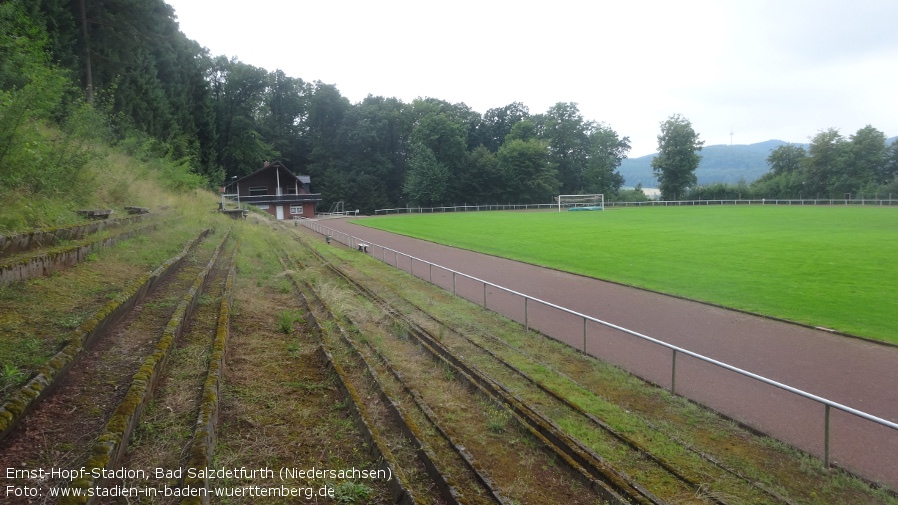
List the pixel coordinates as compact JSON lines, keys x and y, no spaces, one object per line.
{"x":823,"y":266}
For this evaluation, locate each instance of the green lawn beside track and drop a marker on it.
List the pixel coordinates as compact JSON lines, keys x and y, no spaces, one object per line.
{"x":835,"y":267}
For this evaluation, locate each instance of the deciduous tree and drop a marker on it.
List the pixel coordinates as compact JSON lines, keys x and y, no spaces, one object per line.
{"x":827,"y":156}
{"x":677,"y":159}
{"x":498,"y":122}
{"x":868,"y":157}
{"x":526,"y":167}
{"x":606,"y":151}
{"x":567,"y":134}
{"x":427,"y":178}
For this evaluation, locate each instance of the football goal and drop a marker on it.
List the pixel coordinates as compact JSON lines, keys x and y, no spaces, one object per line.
{"x":580,"y":202}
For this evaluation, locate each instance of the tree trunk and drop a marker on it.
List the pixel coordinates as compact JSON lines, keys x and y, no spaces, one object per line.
{"x":88,"y":75}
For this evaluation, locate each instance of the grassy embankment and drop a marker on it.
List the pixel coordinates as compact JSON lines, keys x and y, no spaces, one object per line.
{"x":822,"y":266}
{"x":37,"y":316}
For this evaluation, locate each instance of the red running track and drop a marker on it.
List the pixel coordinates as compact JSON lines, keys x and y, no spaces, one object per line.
{"x":853,"y":372}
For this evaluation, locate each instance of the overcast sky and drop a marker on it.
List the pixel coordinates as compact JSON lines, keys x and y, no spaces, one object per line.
{"x":778,"y":69}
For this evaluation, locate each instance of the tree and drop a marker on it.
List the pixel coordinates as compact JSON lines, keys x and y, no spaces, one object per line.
{"x":31,"y":92}
{"x":787,"y":158}
{"x":827,"y":157}
{"x":324,"y":129}
{"x":677,"y":158}
{"x":446,"y":138}
{"x":283,"y":117}
{"x":498,"y":122}
{"x":427,"y":178}
{"x":890,"y":167}
{"x":606,"y":151}
{"x":568,"y":137}
{"x":374,"y":137}
{"x":486,"y":181}
{"x":868,"y":157}
{"x":524,"y":130}
{"x":238,"y":92}
{"x":443,"y":135}
{"x":526,"y":167}
{"x":787,"y":176}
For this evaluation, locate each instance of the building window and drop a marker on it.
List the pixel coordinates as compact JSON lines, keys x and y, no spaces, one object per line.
{"x":296,"y":210}
{"x":263,"y":206}
{"x":258,"y":190}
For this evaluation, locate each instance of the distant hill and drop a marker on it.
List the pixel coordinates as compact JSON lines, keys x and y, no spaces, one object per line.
{"x":720,"y":163}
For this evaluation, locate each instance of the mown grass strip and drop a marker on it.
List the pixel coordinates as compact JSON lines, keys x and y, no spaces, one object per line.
{"x":821,"y":266}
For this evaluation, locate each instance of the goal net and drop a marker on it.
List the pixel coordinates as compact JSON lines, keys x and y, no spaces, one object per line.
{"x":580,"y":202}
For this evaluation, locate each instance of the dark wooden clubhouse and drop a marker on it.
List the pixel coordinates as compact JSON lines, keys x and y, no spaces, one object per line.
{"x":276,"y":190}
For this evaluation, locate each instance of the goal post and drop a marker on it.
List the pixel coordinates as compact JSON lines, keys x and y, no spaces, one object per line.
{"x":580,"y":202}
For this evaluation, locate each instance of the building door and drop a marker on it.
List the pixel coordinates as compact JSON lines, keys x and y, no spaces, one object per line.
{"x":280,"y":212}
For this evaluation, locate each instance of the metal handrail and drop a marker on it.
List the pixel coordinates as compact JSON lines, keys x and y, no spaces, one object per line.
{"x":350,"y":239}
{"x":650,"y":203}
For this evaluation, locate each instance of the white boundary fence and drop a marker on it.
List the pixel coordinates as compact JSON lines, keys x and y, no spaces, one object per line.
{"x":387,"y":253}
{"x":649,"y":203}
{"x":466,"y":208}
{"x":763,"y":201}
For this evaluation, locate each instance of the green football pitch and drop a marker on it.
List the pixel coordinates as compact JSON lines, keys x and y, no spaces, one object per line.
{"x":835,"y":267}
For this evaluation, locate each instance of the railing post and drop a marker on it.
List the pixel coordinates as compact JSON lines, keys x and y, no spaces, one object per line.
{"x":584,"y":335}
{"x":484,"y":295}
{"x":526,"y":318}
{"x":826,"y":437}
{"x":453,"y":283}
{"x":673,"y":373}
{"x":430,"y":273}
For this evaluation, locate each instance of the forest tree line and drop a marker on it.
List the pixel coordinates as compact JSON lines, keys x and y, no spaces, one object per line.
{"x":164,"y":95}
{"x":121,"y":70}
{"x":861,"y":166}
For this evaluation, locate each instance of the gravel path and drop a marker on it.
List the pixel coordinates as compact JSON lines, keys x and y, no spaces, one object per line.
{"x":856,"y":373}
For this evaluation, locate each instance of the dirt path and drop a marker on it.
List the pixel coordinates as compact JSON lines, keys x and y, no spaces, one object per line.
{"x":856,"y":373}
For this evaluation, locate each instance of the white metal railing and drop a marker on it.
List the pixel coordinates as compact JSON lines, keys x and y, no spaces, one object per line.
{"x":331,"y":215}
{"x":762,"y":201}
{"x":649,"y":203}
{"x":352,"y":241}
{"x":467,"y":208}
